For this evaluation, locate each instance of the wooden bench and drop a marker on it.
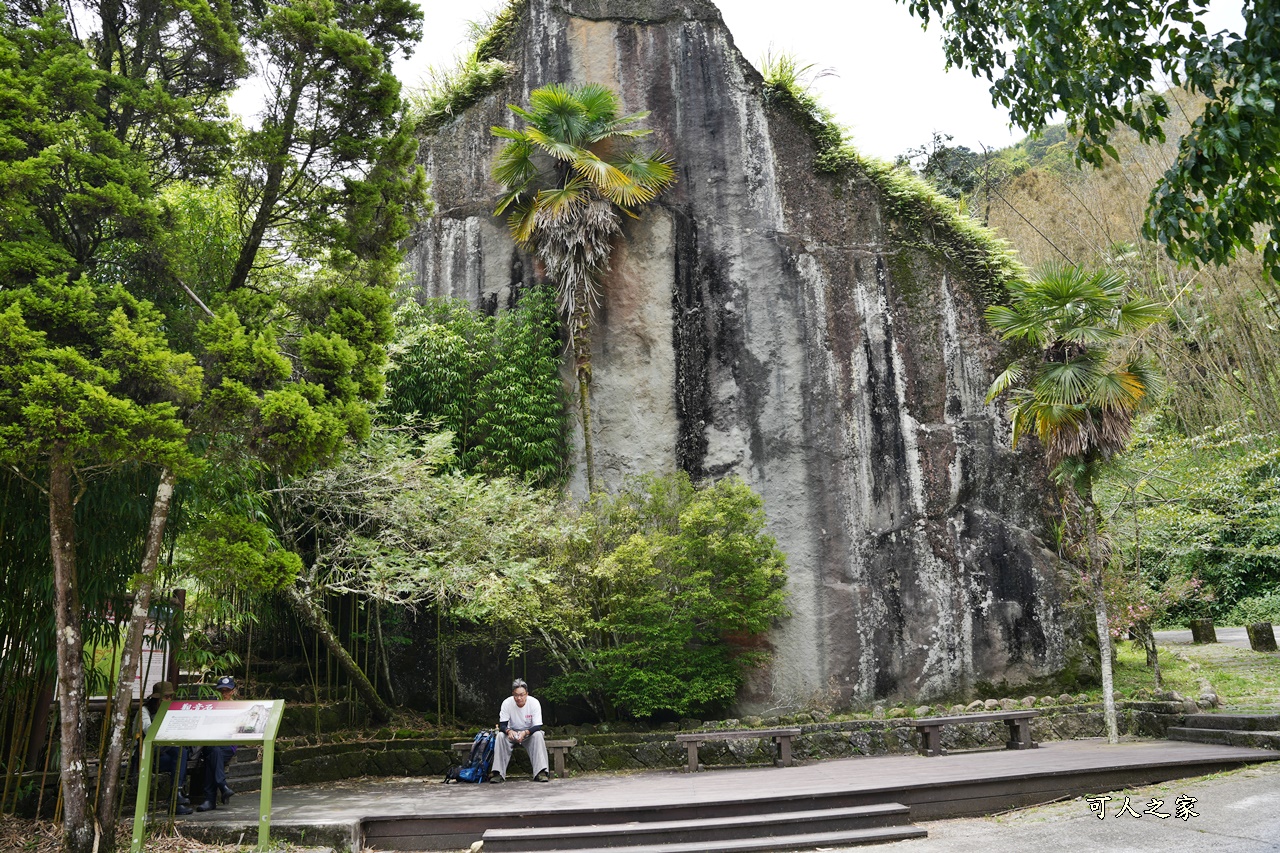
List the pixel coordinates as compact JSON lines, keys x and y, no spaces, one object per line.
{"x":782,"y":737}
{"x":1019,"y":723}
{"x":556,"y":750}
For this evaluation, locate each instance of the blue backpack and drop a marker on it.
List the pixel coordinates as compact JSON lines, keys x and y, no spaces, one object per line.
{"x":479,"y":762}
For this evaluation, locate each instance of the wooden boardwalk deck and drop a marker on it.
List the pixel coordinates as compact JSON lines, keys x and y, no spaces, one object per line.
{"x":388,"y":814}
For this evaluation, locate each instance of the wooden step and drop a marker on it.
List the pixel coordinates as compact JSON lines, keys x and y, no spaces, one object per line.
{"x":1226,"y":737}
{"x":1234,"y":722}
{"x":660,"y":832}
{"x":802,"y":841}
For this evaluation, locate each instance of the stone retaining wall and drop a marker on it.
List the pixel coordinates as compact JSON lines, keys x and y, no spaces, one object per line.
{"x":653,"y":750}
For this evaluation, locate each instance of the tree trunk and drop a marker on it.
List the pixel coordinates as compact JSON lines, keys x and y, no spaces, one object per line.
{"x":271,"y":188}
{"x":131,"y":654}
{"x":79,"y":830}
{"x":382,"y":653}
{"x":581,"y":334}
{"x":1100,"y":617}
{"x":1142,"y":629}
{"x":315,"y":619}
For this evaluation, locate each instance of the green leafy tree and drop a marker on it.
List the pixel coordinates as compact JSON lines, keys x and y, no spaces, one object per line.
{"x":395,"y":522}
{"x":89,"y":382}
{"x":954,"y":169}
{"x":565,"y":176}
{"x":658,"y":607}
{"x":97,"y":133}
{"x":1097,"y":62}
{"x":1075,"y":394}
{"x":1199,"y":508}
{"x":331,"y":139}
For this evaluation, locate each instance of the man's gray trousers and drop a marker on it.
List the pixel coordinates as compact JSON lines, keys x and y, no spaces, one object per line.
{"x":535,"y":744}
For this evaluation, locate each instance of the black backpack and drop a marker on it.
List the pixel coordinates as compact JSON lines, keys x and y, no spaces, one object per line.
{"x":479,"y":762}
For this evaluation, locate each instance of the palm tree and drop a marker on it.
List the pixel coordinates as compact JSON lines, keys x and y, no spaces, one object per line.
{"x":565,"y":176}
{"x":1075,"y":394}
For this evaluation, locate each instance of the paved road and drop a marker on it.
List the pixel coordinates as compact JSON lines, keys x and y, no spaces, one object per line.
{"x":1237,"y":637}
{"x":1236,"y":812}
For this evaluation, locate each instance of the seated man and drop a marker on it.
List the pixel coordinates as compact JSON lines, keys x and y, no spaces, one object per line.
{"x":520,"y":722}
{"x":216,"y":757}
{"x":170,"y":759}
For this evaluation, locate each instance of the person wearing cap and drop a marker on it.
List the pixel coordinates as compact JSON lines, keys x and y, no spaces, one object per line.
{"x":169,"y":758}
{"x":216,"y":757}
{"x":520,"y":722}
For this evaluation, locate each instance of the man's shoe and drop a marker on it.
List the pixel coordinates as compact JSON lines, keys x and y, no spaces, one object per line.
{"x":227,"y":794}
{"x":183,"y":801}
{"x":542,"y":776}
{"x":207,"y":806}
{"x":183,"y":810}
{"x":495,"y":778}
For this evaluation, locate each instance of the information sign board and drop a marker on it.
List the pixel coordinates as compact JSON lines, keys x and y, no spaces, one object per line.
{"x":192,"y":722}
{"x":188,"y":722}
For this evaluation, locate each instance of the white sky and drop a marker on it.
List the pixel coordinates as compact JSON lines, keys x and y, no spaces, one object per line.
{"x":888,"y":83}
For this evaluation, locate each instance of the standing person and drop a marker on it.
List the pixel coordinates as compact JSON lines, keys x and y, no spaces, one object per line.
{"x":216,"y":757}
{"x":171,"y":759}
{"x":520,"y":723}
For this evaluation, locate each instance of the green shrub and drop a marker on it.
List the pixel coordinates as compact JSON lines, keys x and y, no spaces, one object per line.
{"x":664,"y":598}
{"x":1210,"y":513}
{"x":1262,"y":608}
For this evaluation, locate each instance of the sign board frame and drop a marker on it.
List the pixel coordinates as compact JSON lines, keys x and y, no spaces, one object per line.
{"x":212,"y":723}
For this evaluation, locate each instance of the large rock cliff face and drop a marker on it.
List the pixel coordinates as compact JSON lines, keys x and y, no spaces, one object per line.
{"x":775,"y":323}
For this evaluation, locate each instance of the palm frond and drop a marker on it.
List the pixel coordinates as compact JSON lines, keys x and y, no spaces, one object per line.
{"x":603,"y":175}
{"x":556,"y":202}
{"x":506,"y":200}
{"x":1067,"y":383}
{"x":523,"y":113}
{"x":513,"y":167}
{"x":1118,"y":390}
{"x":615,"y":132}
{"x":558,"y":113}
{"x":1014,"y":324}
{"x":1139,"y":313}
{"x":1089,"y":334}
{"x":521,"y":221}
{"x":556,"y":146}
{"x":1148,"y":373}
{"x":1008,"y":377}
{"x":599,"y":102}
{"x":655,"y":170}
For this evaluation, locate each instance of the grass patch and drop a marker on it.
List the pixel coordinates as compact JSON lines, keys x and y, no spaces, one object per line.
{"x":449,"y":91}
{"x":1243,"y":679}
{"x":1134,"y":679}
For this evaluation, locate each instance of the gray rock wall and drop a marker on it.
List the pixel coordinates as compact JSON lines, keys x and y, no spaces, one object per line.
{"x":768,"y":321}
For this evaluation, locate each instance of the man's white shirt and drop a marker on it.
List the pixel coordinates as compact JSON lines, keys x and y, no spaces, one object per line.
{"x":520,"y":719}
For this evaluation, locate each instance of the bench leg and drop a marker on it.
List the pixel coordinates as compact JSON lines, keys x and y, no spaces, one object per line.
{"x":931,"y":740}
{"x":784,"y":749}
{"x":557,"y":755}
{"x":692,"y":746}
{"x":1020,"y":735}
